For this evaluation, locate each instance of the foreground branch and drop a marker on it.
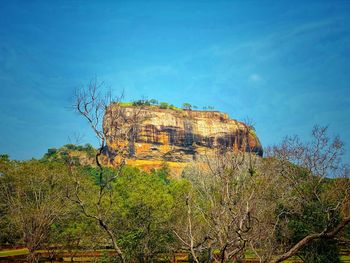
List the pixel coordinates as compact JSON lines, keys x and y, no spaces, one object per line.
{"x":310,"y":238}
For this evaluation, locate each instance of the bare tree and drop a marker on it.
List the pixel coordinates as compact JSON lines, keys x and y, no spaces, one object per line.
{"x":303,"y":171}
{"x":111,"y":123}
{"x":224,"y":200}
{"x":187,"y":235}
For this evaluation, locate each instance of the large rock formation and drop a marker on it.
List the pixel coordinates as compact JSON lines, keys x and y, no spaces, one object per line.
{"x":156,"y":135}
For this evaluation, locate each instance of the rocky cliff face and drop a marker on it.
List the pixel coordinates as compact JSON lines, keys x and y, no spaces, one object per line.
{"x":180,"y":136}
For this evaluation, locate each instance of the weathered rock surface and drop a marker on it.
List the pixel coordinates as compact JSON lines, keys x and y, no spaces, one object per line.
{"x":177,"y":135}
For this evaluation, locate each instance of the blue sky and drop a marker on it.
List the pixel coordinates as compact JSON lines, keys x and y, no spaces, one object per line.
{"x":284,"y":64}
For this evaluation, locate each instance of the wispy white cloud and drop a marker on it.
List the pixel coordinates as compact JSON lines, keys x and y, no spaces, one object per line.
{"x":255,"y":77}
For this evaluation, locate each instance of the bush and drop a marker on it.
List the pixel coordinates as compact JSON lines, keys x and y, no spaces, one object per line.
{"x":164,"y":105}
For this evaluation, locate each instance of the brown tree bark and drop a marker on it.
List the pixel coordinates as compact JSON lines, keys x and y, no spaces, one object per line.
{"x":331,"y":234}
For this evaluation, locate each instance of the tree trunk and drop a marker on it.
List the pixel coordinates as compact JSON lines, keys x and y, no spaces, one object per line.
{"x":115,"y":245}
{"x":310,"y":238}
{"x":32,"y":256}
